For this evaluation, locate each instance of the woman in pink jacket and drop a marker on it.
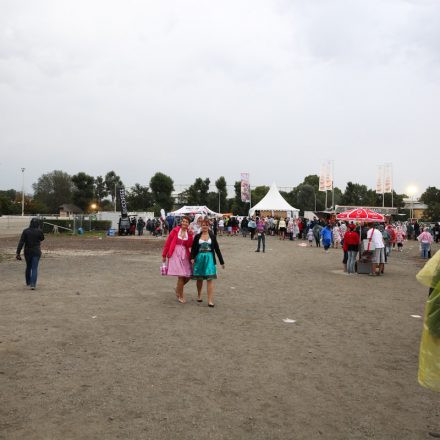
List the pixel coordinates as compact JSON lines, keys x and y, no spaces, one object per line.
{"x":425,"y":239}
{"x":177,"y":249}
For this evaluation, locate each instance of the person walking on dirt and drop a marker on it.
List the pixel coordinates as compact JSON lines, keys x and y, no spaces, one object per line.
{"x":177,"y":249}
{"x":327,"y":237}
{"x":140,"y":226}
{"x":425,"y":239}
{"x":261,"y":235}
{"x":436,"y":231}
{"x":203,"y":251}
{"x":351,"y":246}
{"x":31,"y":239}
{"x":317,"y":234}
{"x":375,"y":236}
{"x":252,"y":226}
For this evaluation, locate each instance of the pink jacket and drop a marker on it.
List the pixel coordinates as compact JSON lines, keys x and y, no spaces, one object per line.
{"x":425,"y":237}
{"x":170,"y":244}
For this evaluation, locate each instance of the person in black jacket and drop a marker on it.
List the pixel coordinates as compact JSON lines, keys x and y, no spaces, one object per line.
{"x":31,"y":239}
{"x":203,"y":251}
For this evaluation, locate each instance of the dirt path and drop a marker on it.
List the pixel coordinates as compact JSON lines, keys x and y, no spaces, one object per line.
{"x":101,"y":350}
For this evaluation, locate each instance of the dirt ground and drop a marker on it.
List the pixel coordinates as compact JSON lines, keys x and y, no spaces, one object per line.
{"x":102,"y":349}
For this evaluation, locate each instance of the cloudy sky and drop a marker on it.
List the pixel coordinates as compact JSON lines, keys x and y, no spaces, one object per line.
{"x":204,"y":88}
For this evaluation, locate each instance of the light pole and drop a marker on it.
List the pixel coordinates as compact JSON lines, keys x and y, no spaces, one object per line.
{"x":22,"y":192}
{"x":412,"y":190}
{"x":219,"y":201}
{"x":314,"y":193}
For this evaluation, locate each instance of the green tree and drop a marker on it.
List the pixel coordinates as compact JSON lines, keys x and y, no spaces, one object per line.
{"x":84,"y":190}
{"x":197,"y":193}
{"x":222,"y":192}
{"x":305,"y":197}
{"x":8,"y":206}
{"x":258,"y":193}
{"x":313,"y":181}
{"x":101,"y":191}
{"x":10,"y":194}
{"x":139,"y":198}
{"x":397,"y":200}
{"x":358,"y":195}
{"x":53,"y":189}
{"x":162,"y":187}
{"x":106,"y":205}
{"x":235,"y":205}
{"x":213,"y":202}
{"x":431,"y":198}
{"x":112,"y":180}
{"x":32,"y":206}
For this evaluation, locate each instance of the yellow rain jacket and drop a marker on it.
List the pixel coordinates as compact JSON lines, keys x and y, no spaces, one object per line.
{"x":429,"y":359}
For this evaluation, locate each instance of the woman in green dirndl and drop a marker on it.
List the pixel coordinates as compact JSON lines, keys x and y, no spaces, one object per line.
{"x":203,"y":251}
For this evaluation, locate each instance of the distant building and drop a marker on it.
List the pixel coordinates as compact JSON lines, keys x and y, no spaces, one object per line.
{"x":68,"y":209}
{"x":415,"y":206}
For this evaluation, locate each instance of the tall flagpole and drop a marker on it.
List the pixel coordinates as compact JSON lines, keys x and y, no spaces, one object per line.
{"x":250,"y":195}
{"x":392,"y":186}
{"x":333,"y":185}
{"x":22,"y":191}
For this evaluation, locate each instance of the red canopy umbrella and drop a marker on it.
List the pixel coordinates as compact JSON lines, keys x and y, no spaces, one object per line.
{"x":361,"y":214}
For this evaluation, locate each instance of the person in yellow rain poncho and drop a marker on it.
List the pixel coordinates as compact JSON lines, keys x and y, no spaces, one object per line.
{"x":429,"y":358}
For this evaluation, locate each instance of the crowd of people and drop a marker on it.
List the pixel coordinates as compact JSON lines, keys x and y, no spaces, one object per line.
{"x":372,"y":242}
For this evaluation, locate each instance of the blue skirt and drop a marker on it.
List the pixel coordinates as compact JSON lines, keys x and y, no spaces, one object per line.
{"x":204,"y":267}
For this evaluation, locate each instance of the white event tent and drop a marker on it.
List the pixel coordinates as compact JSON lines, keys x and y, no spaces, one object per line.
{"x":193,"y":210}
{"x":272,"y":203}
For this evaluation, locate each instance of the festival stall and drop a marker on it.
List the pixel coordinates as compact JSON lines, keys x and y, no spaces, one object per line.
{"x":194,"y":210}
{"x":273,"y":203}
{"x":364,"y":265}
{"x":361,"y":215}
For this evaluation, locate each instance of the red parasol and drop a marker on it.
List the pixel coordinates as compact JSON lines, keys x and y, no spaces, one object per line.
{"x":361,"y":214}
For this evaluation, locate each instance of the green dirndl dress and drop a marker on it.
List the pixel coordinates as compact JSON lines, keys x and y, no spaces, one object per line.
{"x":204,"y":267}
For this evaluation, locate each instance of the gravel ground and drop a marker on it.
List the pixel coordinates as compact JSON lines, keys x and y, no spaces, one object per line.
{"x":102,"y":349}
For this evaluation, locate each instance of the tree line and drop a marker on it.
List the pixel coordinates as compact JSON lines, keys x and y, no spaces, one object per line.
{"x":83,"y":190}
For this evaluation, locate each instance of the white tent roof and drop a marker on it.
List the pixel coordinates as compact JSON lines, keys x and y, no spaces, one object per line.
{"x":272,"y":201}
{"x":204,"y":210}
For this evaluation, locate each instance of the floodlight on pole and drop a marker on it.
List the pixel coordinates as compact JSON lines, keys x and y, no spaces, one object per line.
{"x":22,"y":192}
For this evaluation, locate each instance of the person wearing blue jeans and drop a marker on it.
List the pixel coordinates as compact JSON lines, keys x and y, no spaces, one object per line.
{"x":31,"y":273}
{"x":425,"y":239}
{"x":425,"y":250}
{"x":31,"y":239}
{"x":261,"y":235}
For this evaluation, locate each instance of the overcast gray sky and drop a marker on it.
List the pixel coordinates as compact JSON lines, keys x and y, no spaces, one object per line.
{"x":210,"y":88}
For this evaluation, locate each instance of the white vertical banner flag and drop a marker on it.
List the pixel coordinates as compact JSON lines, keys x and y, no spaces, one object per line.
{"x":322,"y":177}
{"x":329,"y":176}
{"x":388,"y":178}
{"x":379,"y":180}
{"x":326,"y":176}
{"x":245,"y":188}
